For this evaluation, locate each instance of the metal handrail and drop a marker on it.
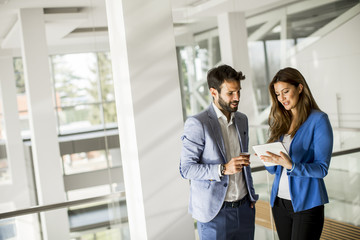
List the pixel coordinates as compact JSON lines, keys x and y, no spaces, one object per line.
{"x":54,"y":206}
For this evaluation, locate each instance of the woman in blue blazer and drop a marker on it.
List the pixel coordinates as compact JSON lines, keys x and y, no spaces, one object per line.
{"x":298,"y":193}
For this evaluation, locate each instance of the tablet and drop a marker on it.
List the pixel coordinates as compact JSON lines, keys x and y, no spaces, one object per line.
{"x":275,"y":147}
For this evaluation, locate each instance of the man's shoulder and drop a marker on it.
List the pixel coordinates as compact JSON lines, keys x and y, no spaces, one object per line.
{"x":201,"y":116}
{"x":240,"y":115}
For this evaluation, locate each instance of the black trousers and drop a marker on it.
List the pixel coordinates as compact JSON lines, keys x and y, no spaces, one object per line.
{"x":303,"y":225}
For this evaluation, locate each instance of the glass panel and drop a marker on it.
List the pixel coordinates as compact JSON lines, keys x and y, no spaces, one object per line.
{"x":202,"y":59}
{"x":264,"y":228}
{"x":115,"y":157}
{"x":215,"y":49}
{"x":4,"y":164}
{"x":24,"y":227}
{"x":84,"y":161}
{"x":75,"y":78}
{"x":346,"y":139}
{"x":260,"y":74}
{"x":105,"y":75}
{"x":79,"y":118}
{"x":105,"y":219}
{"x":110,"y":115}
{"x":19,"y":75}
{"x":342,"y":183}
{"x":5,"y":175}
{"x":21,"y":98}
{"x":100,"y":220}
{"x":187,"y":76}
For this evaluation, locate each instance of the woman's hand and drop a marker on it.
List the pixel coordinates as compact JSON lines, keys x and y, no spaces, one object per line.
{"x":283,"y":160}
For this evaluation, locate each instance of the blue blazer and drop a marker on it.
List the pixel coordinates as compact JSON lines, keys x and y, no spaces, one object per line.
{"x":203,"y":150}
{"x":310,"y":150}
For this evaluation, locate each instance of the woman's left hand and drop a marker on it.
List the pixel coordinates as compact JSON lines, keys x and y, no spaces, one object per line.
{"x":283,"y":160}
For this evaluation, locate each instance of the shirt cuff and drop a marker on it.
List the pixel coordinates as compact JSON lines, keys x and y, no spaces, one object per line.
{"x":219,"y":170}
{"x":293,"y":166}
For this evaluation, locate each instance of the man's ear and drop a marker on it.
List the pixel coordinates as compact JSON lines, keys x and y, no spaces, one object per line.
{"x":213,"y":92}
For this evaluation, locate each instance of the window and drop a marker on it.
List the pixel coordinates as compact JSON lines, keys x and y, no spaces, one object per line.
{"x":83,"y":92}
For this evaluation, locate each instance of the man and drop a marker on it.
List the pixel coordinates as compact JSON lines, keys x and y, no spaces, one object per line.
{"x":222,"y":196}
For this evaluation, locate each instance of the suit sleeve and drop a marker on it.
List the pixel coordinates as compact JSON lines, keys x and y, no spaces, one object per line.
{"x":191,"y":166}
{"x":323,"y":144}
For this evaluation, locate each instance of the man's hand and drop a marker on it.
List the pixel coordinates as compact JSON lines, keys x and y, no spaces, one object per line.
{"x":236,"y":164}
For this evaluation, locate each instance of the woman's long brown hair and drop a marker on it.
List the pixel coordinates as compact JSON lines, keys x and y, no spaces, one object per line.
{"x":280,"y":119}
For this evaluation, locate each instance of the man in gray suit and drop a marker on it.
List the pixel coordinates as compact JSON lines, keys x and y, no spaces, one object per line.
{"x":222,"y":195}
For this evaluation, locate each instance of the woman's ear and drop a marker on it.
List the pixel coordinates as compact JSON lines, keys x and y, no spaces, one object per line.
{"x":300,"y":87}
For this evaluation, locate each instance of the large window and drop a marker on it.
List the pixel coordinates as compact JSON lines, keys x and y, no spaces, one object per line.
{"x":195,"y":62}
{"x":83,"y":92}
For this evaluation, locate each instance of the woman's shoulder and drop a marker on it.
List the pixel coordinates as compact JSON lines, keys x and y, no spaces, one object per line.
{"x":316,"y":115}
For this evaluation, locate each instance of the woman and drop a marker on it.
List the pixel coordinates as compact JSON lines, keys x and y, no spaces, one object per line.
{"x":298,"y":192}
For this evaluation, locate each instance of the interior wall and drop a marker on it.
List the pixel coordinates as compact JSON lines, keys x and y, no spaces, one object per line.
{"x":331,"y":66}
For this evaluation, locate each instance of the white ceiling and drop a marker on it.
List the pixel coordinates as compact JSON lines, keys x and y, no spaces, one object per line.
{"x":73,"y":22}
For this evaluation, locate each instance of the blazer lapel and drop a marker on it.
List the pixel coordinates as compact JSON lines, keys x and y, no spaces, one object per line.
{"x":242,"y":134}
{"x":215,"y":126}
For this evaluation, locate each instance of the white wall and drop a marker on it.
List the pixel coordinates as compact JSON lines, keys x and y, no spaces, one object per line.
{"x":331,"y":67}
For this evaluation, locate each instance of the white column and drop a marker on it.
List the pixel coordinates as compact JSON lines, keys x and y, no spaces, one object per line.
{"x":234,"y":52}
{"x":46,"y":154}
{"x":150,"y":119}
{"x":17,"y":191}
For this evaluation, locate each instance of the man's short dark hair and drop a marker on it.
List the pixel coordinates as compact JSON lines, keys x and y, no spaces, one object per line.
{"x":217,"y":75}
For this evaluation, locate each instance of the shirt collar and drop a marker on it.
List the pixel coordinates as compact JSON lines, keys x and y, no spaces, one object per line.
{"x":220,"y":114}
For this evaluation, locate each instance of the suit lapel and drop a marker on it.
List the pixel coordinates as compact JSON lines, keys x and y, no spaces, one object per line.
{"x":215,"y":126}
{"x":242,"y":133}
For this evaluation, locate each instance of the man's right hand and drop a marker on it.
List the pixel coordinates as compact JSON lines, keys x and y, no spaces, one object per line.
{"x":236,"y":164}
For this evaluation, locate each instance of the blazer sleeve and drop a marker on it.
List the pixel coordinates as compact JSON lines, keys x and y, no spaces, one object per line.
{"x":323,"y":144}
{"x":191,"y":165}
{"x":271,"y":169}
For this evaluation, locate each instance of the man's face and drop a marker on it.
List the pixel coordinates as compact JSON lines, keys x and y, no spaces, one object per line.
{"x":228,"y":98}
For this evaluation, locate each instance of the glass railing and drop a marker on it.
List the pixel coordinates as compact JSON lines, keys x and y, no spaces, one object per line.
{"x":103,"y":218}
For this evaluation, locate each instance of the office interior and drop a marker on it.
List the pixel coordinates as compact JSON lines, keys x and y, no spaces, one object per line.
{"x":94,"y":94}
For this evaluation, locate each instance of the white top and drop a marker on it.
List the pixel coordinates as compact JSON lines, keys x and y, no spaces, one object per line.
{"x":237,"y":188}
{"x":284,"y":191}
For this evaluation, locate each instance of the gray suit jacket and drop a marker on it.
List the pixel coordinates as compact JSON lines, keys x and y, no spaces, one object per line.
{"x":203,"y":149}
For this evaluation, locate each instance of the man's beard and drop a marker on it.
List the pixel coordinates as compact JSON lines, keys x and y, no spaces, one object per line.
{"x":226,"y":106}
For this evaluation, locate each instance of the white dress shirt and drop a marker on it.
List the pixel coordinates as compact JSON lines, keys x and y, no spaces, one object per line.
{"x":237,"y":188}
{"x":283,"y":191}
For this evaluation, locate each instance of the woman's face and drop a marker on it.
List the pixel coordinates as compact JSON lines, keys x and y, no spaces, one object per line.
{"x":288,"y":95}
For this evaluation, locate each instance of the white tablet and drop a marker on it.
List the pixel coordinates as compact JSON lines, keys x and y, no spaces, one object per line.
{"x":275,"y":147}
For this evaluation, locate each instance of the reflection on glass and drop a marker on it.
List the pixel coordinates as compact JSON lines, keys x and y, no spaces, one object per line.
{"x":105,"y":75}
{"x":83,"y":92}
{"x":79,"y":118}
{"x":4,"y":165}
{"x":23,"y":227}
{"x":75,"y":78}
{"x":110,"y":116}
{"x":342,"y":183}
{"x":84,"y":161}
{"x":91,"y":161}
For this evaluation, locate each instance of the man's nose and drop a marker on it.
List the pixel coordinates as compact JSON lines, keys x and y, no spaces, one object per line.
{"x":236,"y":96}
